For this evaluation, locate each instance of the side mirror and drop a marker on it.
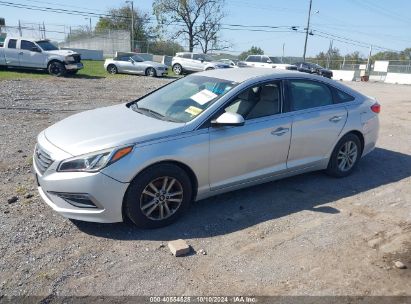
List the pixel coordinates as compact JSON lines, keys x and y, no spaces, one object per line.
{"x":269,"y":61}
{"x":35,"y":49}
{"x":228,"y":119}
{"x":131,"y":60}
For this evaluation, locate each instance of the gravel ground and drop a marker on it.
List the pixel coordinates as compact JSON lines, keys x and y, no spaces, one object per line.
{"x":306,"y":235}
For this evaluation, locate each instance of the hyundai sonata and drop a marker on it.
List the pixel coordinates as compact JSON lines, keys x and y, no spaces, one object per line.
{"x":202,"y":135}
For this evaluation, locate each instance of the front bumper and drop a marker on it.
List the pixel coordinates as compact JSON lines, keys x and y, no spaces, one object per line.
{"x":161,"y":72}
{"x":105,"y":192}
{"x":74,"y":66}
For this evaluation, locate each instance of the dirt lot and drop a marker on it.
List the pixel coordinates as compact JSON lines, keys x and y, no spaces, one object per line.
{"x":306,"y":235}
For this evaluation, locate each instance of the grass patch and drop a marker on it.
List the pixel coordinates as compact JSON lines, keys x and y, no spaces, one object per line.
{"x":92,"y":69}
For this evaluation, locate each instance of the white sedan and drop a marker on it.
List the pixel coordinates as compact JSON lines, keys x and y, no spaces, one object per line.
{"x":135,"y":65}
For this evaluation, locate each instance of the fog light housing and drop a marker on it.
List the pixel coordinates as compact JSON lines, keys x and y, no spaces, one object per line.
{"x":79,"y":200}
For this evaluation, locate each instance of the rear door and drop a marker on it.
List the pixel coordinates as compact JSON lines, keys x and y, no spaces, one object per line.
{"x":317,"y":121}
{"x":11,"y":53}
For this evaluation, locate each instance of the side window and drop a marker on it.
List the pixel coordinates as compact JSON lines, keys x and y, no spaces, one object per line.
{"x":259,"y":101}
{"x":186,"y":56}
{"x":254,"y":59}
{"x":27,"y":45}
{"x":306,"y":94}
{"x":198,"y":57}
{"x":12,"y":44}
{"x":265,"y":59}
{"x":342,"y":96}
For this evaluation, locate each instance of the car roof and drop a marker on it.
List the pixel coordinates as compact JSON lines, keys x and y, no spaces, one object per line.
{"x":243,"y":74}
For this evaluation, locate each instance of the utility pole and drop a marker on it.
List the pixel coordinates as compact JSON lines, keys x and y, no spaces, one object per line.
{"x":21,"y":34}
{"x":282,"y":57}
{"x":307,"y":29}
{"x":44,"y":30}
{"x":368,"y":61}
{"x":132,"y":25}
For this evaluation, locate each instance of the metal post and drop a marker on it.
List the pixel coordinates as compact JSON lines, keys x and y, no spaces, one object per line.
{"x":44,"y":30}
{"x":282,"y":57}
{"x":307,"y":29}
{"x":90,"y":24}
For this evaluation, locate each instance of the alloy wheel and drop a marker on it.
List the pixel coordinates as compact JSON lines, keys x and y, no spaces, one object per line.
{"x":177,"y":69}
{"x":347,"y":156}
{"x":161,"y":198}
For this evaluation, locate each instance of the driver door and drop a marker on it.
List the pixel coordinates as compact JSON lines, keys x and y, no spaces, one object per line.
{"x":256,"y":150}
{"x":29,"y":58}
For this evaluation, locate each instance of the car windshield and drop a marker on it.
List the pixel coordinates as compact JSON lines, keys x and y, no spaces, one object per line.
{"x":137,"y":58}
{"x":184,"y":99}
{"x":46,"y":45}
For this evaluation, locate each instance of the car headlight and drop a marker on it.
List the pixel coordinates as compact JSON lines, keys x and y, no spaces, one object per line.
{"x":93,"y":162}
{"x":70,"y":59}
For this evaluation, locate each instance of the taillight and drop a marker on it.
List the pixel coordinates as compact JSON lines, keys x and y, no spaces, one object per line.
{"x":376,"y":108}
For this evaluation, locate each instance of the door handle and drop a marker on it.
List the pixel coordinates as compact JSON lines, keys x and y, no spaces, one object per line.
{"x":280,"y":131}
{"x":335,"y":118}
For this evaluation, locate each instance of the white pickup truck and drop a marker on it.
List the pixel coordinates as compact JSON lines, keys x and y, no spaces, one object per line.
{"x":263,"y":61}
{"x":39,"y":54}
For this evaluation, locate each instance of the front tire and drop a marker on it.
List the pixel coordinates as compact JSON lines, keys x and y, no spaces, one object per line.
{"x":57,"y":69}
{"x":178,"y":69}
{"x":209,"y":69}
{"x":151,"y":72}
{"x":158,"y":196}
{"x":345,"y":156}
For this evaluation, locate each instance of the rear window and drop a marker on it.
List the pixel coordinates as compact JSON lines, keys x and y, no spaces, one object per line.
{"x":12,"y":44}
{"x":342,"y":96}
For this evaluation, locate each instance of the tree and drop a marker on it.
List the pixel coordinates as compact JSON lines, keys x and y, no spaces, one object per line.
{"x":120,"y":19}
{"x":198,"y":20}
{"x":169,"y":48}
{"x":254,"y":50}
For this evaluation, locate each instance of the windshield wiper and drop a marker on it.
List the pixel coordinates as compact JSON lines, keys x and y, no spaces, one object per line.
{"x":152,"y":113}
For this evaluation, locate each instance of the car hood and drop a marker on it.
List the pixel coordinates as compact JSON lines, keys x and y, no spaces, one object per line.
{"x":105,"y":128}
{"x":61,"y":52}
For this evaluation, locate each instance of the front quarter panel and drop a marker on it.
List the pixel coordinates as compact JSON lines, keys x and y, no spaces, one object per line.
{"x":190,"y":149}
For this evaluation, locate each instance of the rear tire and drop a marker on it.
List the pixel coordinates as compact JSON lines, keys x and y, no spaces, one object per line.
{"x":112,"y":69}
{"x":57,"y":69}
{"x":345,"y":156}
{"x":209,"y":69}
{"x":178,"y":69}
{"x":158,"y":196}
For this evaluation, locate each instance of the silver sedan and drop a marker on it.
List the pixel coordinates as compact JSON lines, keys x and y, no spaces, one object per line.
{"x":202,"y":135}
{"x":135,"y":65}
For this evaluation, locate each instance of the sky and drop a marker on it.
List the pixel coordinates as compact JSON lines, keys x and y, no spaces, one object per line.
{"x":354,"y":25}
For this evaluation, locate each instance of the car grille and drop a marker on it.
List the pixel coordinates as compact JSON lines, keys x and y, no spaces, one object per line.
{"x":77,"y":58}
{"x":42,"y":159}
